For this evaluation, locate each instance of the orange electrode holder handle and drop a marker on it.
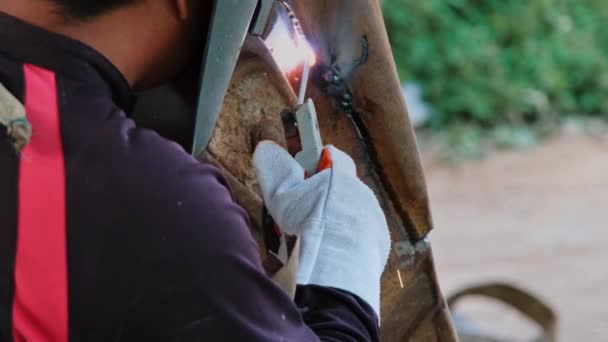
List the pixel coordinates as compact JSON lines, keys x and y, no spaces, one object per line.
{"x":325,"y":163}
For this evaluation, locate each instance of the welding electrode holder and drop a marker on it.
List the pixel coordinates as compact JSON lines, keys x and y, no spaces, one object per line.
{"x":308,"y":157}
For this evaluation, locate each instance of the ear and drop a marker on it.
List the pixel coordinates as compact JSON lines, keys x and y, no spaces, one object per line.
{"x":183,"y":9}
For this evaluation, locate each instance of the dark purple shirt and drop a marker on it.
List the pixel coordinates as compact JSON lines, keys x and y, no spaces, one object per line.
{"x":157,"y":249}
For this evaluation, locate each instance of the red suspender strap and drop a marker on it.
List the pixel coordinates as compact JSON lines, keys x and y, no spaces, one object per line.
{"x":40,"y":307}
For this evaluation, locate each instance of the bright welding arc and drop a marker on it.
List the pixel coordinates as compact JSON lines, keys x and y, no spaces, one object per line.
{"x":287,"y":41}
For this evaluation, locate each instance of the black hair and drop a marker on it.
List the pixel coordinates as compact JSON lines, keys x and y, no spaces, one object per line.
{"x":85,"y":9}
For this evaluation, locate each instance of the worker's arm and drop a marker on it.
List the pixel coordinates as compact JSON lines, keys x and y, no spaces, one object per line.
{"x":336,"y":315}
{"x":214,"y":287}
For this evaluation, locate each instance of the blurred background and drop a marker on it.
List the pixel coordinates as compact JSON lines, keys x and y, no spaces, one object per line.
{"x":510,"y":101}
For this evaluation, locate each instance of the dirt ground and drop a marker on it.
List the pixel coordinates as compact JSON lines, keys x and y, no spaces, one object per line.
{"x":536,"y":218}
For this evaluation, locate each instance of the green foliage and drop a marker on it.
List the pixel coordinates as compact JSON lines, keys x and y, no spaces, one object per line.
{"x":495,"y":63}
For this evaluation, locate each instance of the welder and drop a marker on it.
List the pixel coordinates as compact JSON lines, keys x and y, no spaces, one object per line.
{"x":109,"y":232}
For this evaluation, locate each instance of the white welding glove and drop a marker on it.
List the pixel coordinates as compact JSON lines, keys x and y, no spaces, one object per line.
{"x":344,"y":236}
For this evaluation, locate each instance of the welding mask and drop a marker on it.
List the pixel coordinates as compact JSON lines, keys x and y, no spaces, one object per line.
{"x":231,"y":21}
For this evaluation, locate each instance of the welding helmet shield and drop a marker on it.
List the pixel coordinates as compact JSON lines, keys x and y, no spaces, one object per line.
{"x":231,"y":21}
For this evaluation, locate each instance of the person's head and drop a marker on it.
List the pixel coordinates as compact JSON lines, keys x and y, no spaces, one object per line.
{"x":148,"y":40}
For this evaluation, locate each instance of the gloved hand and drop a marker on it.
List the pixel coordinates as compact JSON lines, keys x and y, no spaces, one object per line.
{"x":344,"y":236}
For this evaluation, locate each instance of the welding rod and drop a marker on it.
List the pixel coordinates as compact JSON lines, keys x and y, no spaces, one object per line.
{"x":304,"y":83}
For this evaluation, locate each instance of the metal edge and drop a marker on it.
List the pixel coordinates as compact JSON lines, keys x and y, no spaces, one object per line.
{"x":229,"y":25}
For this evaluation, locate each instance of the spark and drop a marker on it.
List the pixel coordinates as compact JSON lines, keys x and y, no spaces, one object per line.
{"x":288,"y":49}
